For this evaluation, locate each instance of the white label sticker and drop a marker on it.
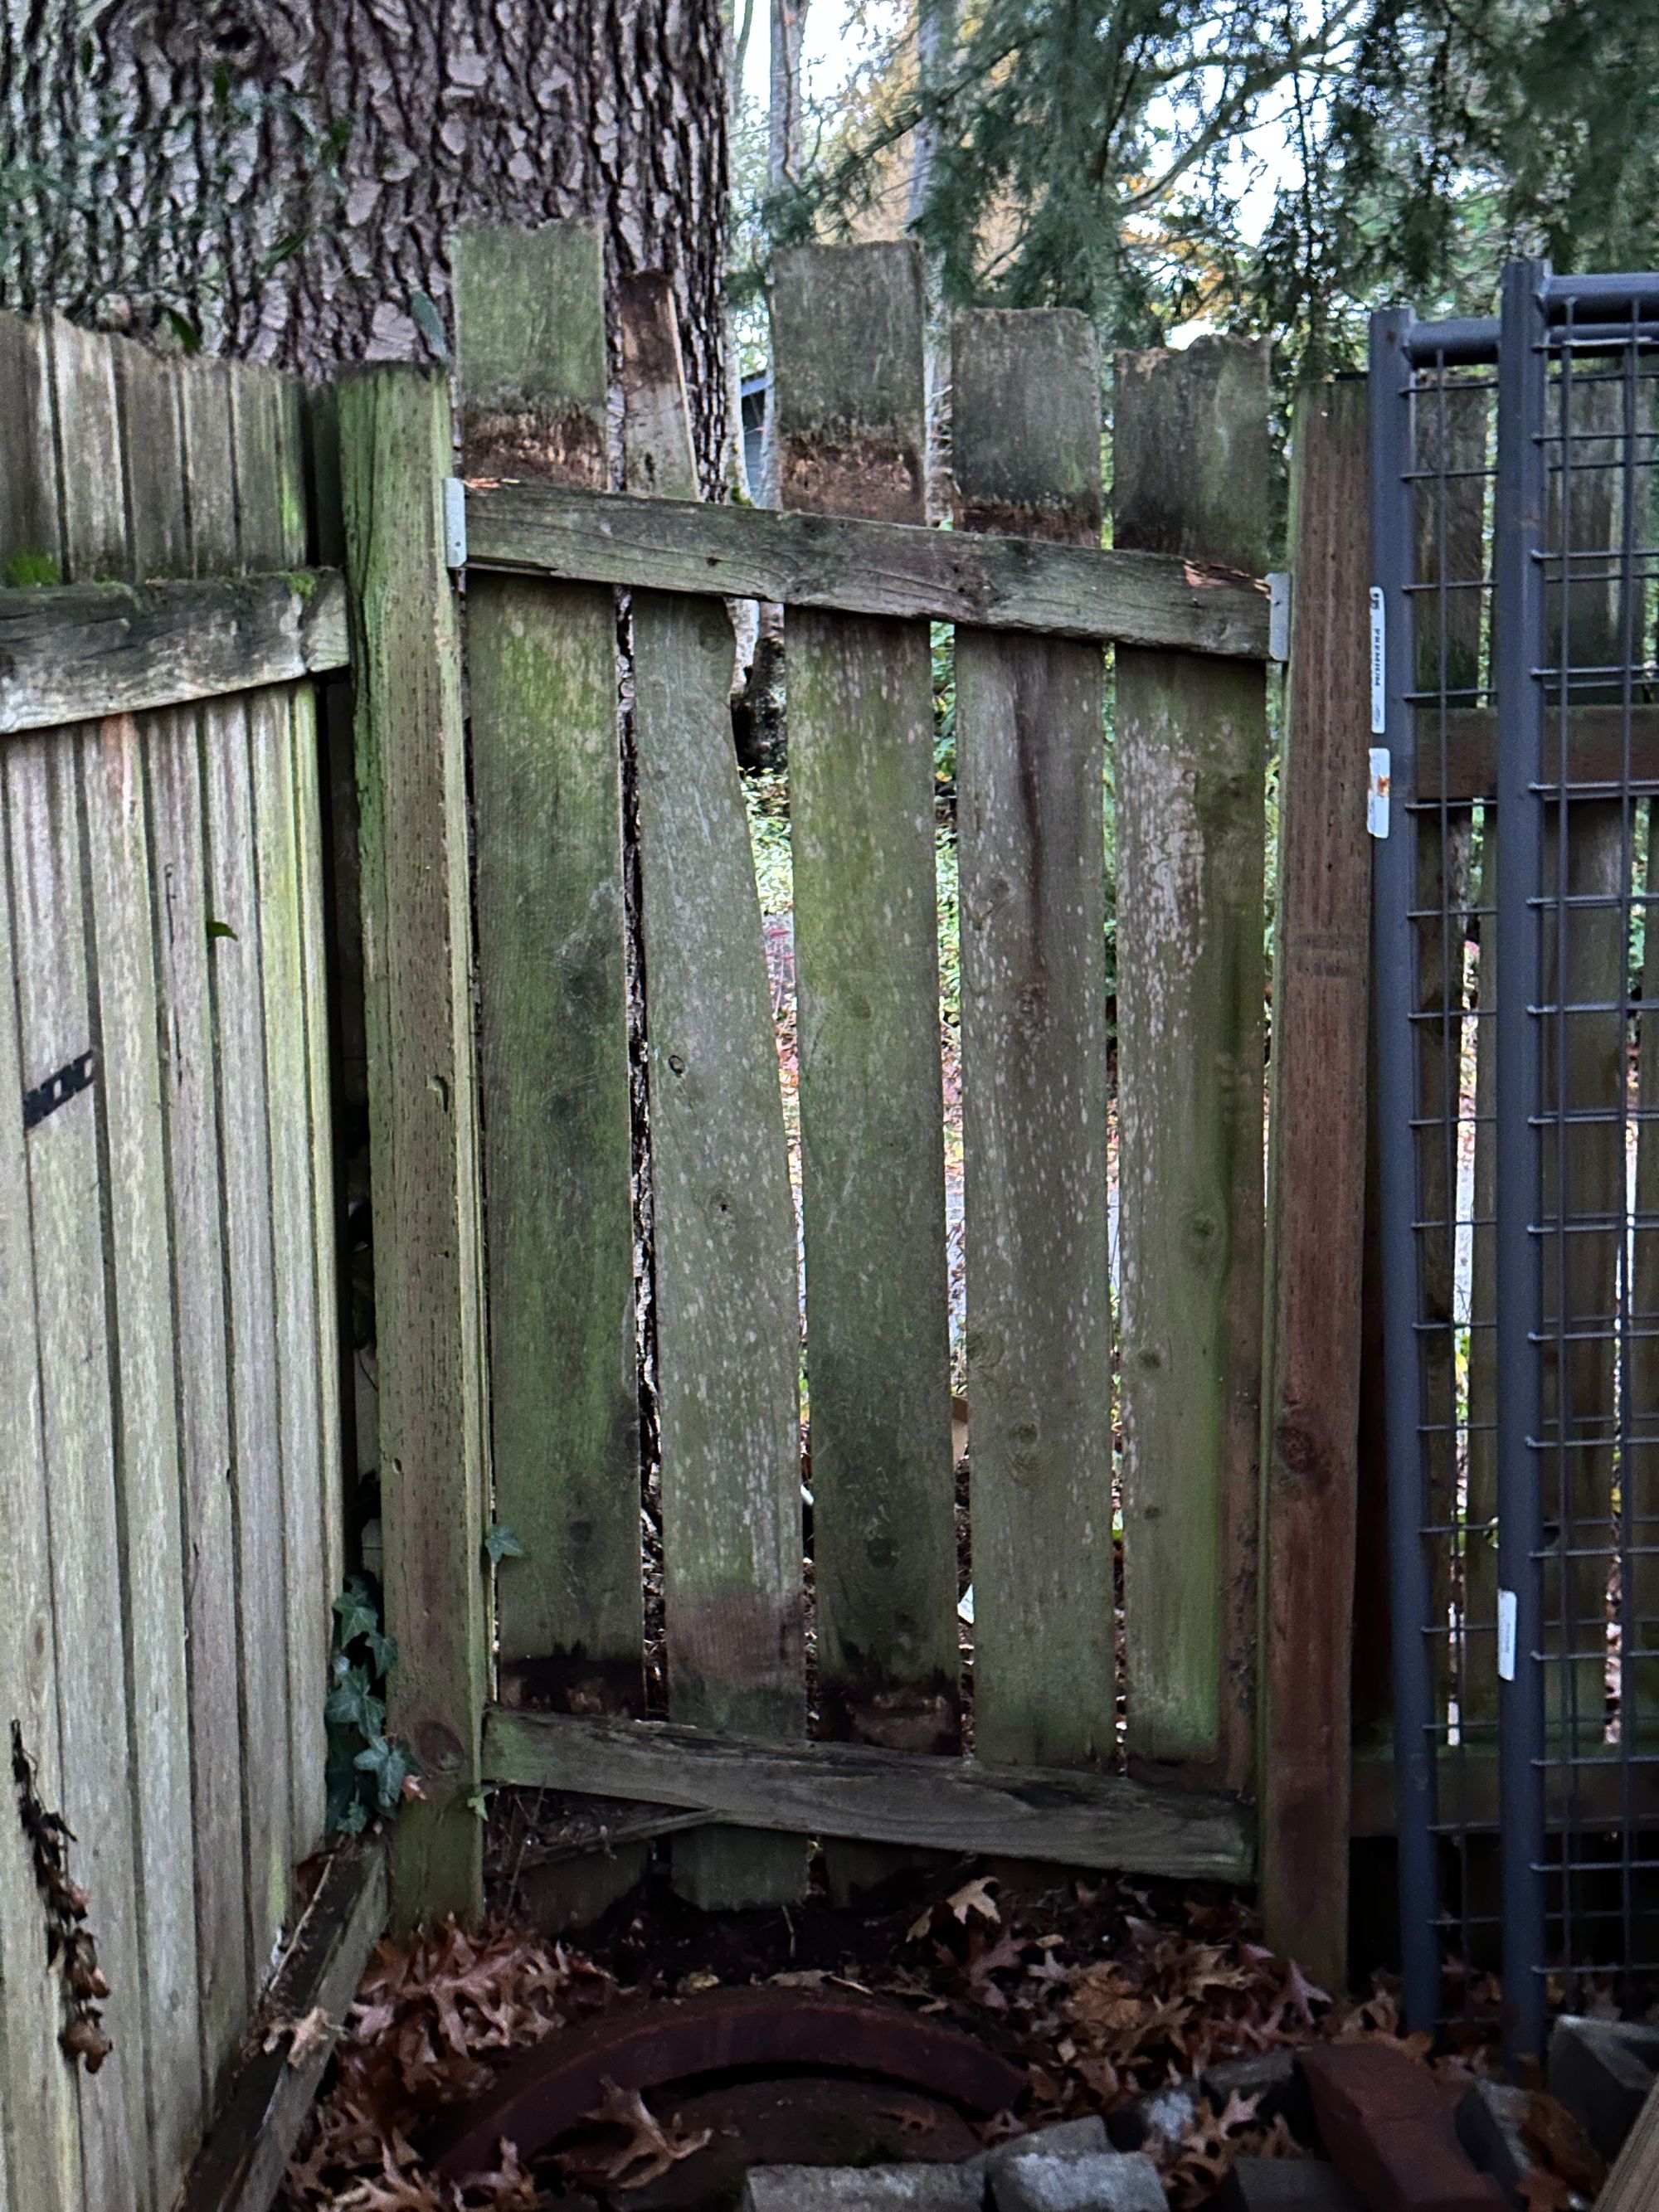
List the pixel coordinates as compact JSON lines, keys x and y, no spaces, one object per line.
{"x":1506,"y":1609}
{"x":455,"y":523}
{"x":1278,"y":615}
{"x":1377,"y":792}
{"x":1379,"y":664}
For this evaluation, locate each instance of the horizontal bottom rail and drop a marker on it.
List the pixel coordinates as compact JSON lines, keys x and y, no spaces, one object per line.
{"x":1102,"y":1821}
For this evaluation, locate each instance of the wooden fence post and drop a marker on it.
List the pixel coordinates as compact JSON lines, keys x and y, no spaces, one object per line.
{"x":1190,"y":463}
{"x":395,"y":453}
{"x":1316,"y":1198}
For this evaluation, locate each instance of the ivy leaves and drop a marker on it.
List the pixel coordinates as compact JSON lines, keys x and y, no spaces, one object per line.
{"x":369,"y":1773}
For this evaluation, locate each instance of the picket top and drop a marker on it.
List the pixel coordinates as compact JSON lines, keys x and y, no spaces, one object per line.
{"x":1022,"y":377}
{"x":531,"y":357}
{"x":851,"y":414}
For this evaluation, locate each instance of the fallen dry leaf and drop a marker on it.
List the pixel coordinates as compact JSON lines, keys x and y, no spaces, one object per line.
{"x":313,"y":2034}
{"x":651,"y":2148}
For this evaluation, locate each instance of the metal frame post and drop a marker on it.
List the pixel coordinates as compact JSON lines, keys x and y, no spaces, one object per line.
{"x":1395,"y":964}
{"x":1523,"y":371}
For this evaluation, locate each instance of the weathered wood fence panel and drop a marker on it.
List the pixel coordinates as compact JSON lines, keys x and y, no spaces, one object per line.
{"x":171,"y":1493}
{"x":550,"y":766}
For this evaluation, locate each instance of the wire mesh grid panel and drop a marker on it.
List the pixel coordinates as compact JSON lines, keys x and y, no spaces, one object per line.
{"x":1514,"y":533}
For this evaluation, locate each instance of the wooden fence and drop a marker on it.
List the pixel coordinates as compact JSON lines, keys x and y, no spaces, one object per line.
{"x":508,"y":1216}
{"x":169,"y":1517}
{"x":580,"y":1180}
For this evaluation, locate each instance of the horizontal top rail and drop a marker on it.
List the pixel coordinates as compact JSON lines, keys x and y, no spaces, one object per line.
{"x":901,"y":569}
{"x":76,"y":652}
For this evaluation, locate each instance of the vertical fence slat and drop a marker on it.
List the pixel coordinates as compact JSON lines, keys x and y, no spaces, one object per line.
{"x":1316,"y":1210}
{"x":179,"y":919}
{"x":47,"y":863}
{"x":395,"y":453}
{"x":238,"y":1021}
{"x":308,"y":1591}
{"x":852,"y":440}
{"x":32,"y":551}
{"x":1191,"y":476}
{"x":90,"y":1565}
{"x":39,"y":2118}
{"x":153,"y":1591}
{"x":1026,"y":454}
{"x":553,"y":1008}
{"x":179,"y":916}
{"x":712,"y":1657}
{"x":311,"y":826}
{"x":728,"y":1329}
{"x":270,"y":528}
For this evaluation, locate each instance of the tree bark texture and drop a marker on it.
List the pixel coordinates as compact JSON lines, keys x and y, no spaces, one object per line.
{"x":279,"y":177}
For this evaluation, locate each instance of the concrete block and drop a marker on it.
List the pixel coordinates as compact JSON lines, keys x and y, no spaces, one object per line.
{"x":1164,"y":2117}
{"x":1066,"y":2139}
{"x":1269,"y":2076}
{"x":864,"y":2188}
{"x":1602,"y":2070}
{"x":1285,"y":2184}
{"x":1095,"y":2181}
{"x":1488,"y":2119}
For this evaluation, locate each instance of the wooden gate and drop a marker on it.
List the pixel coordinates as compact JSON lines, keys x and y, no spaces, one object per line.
{"x":523,"y":1160}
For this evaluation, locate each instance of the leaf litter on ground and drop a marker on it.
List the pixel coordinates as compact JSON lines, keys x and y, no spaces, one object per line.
{"x":1102,"y":1991}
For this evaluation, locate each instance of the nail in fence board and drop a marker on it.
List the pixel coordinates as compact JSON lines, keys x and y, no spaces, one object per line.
{"x":1316,"y":1199}
{"x":728,"y":1333}
{"x":395,"y":453}
{"x":1026,"y":453}
{"x":552,"y":992}
{"x":846,"y":329}
{"x":1190,"y":461}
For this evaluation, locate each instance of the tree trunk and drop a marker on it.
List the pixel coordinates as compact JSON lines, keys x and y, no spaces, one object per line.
{"x":783,"y":165}
{"x":279,"y":177}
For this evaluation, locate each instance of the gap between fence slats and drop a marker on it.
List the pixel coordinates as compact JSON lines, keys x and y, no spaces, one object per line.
{"x":867,"y":970}
{"x":1026,"y":452}
{"x":1190,"y":462}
